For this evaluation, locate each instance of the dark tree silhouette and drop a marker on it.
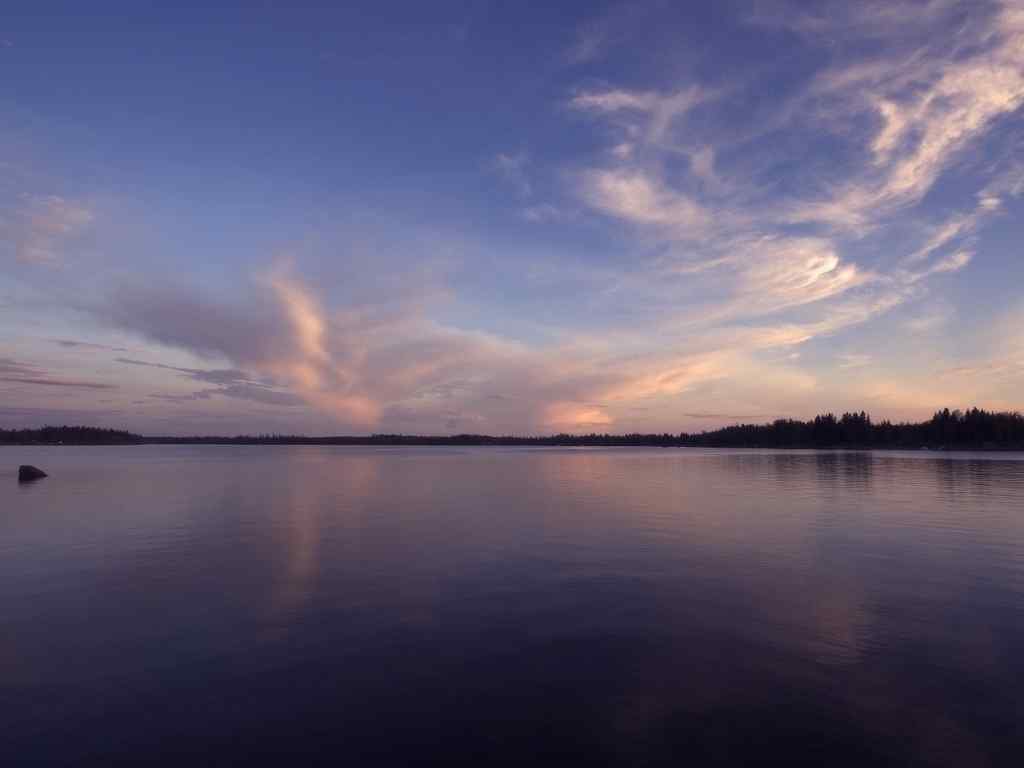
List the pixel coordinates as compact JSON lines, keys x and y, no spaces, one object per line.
{"x":973,"y":429}
{"x":68,"y":436}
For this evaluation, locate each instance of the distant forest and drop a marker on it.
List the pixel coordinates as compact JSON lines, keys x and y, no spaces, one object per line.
{"x":971,"y":429}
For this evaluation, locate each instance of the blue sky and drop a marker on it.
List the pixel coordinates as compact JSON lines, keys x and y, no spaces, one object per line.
{"x":507,"y":217}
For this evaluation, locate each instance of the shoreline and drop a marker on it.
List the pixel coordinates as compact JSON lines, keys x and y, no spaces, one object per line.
{"x":513,"y":443}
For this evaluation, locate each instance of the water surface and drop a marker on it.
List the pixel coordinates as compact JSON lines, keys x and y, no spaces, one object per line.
{"x":219,"y":605}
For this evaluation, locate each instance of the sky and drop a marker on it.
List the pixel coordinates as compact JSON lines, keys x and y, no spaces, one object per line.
{"x":508,"y":217}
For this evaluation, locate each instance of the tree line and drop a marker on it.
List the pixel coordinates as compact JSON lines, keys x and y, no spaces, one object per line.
{"x":974,"y":428}
{"x":68,"y":436}
{"x":970,"y":429}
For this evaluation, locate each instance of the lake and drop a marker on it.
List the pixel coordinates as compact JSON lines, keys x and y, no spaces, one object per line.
{"x":185,"y":605}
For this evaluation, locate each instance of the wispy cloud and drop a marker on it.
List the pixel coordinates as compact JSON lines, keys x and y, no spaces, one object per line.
{"x":953,"y":262}
{"x":854,"y":360}
{"x":929,"y":106}
{"x":956,"y":227}
{"x":647,"y":116}
{"x":595,"y":38}
{"x":722,"y":231}
{"x":757,"y":256}
{"x":785,"y":272}
{"x":638,"y":198}
{"x":230,"y":382}
{"x":545,"y":213}
{"x":41,"y":226}
{"x":73,"y":344}
{"x":20,"y":373}
{"x":513,"y":168}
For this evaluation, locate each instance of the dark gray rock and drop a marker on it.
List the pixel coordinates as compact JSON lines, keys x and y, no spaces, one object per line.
{"x":26,"y":473}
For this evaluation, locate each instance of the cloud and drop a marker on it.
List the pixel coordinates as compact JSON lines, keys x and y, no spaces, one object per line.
{"x":615,"y":100}
{"x":12,"y":367}
{"x":785,"y":272}
{"x":829,"y":319}
{"x":671,"y":378}
{"x":230,"y":382}
{"x":72,"y":344}
{"x":901,"y":113}
{"x":254,"y":393}
{"x":20,"y":373}
{"x":649,"y":115}
{"x":595,"y":38}
{"x":513,"y":169}
{"x":638,"y":198}
{"x":350,"y":363}
{"x":943,"y":235}
{"x":702,"y":166}
{"x":929,"y":106}
{"x":728,"y":416}
{"x":214,"y":376}
{"x":178,"y":316}
{"x":42,"y":226}
{"x":821,"y":23}
{"x":45,"y":382}
{"x":768,"y":275}
{"x":544,"y":213}
{"x":750,"y":217}
{"x":929,"y":321}
{"x":403,"y":370}
{"x":854,"y":360}
{"x":575,"y":416}
{"x":591,"y":40}
{"x":954,"y":262}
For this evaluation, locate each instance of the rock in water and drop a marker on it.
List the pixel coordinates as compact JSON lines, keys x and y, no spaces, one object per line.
{"x":27,"y":472}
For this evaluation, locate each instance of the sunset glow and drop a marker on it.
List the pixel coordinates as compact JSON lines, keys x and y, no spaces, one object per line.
{"x":516,"y":220}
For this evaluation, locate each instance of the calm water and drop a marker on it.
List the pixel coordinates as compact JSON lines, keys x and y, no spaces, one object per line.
{"x":220,"y":605}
